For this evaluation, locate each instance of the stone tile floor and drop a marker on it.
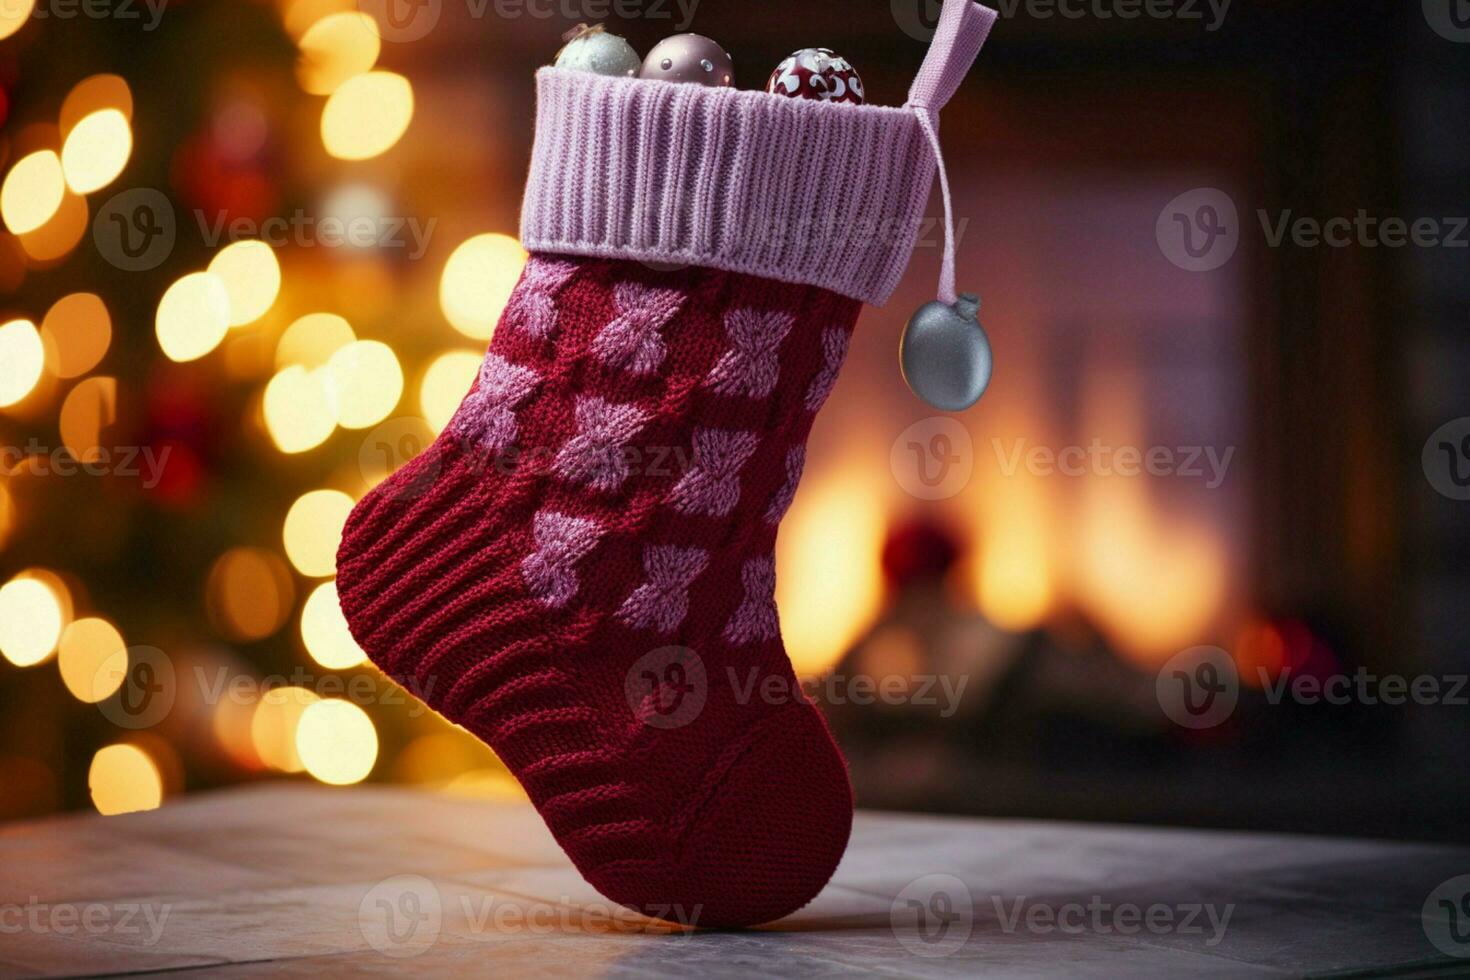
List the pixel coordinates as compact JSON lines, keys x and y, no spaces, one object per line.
{"x":288,"y":879}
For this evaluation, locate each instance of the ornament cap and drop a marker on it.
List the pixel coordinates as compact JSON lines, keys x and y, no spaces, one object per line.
{"x":968,"y":305}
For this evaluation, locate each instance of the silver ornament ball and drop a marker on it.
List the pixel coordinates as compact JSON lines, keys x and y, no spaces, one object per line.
{"x":601,"y":53}
{"x":689,"y":58}
{"x":945,"y":355}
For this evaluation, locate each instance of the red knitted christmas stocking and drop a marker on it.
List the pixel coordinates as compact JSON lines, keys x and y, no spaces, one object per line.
{"x":580,"y":572}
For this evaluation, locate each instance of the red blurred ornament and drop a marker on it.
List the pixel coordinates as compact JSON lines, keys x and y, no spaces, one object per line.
{"x":817,"y":74}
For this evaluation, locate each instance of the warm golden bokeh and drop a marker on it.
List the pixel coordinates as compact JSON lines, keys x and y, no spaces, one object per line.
{"x":477,"y":282}
{"x":22,"y":359}
{"x":336,"y":48}
{"x":249,"y":594}
{"x":366,"y":115}
{"x":252,"y":278}
{"x":193,"y":316}
{"x":76,"y":332}
{"x":364,"y":383}
{"x":336,"y":742}
{"x":89,"y":408}
{"x":96,"y":151}
{"x":444,"y":385}
{"x":13,"y":16}
{"x":32,"y":192}
{"x":324,"y":631}
{"x":94,"y":94}
{"x":313,"y":530}
{"x":273,"y":726}
{"x":34,"y":609}
{"x":298,"y":409}
{"x":124,"y":779}
{"x":93,"y":659}
{"x":312,"y":340}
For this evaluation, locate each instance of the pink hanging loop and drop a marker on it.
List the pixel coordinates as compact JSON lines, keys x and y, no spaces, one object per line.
{"x":963,"y":28}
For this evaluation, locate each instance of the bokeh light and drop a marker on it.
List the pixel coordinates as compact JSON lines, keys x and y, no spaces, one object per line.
{"x":93,"y":94}
{"x":366,"y":115}
{"x":313,"y":530}
{"x":364,"y":383}
{"x":124,"y":779}
{"x":58,"y":236}
{"x":92,"y":659}
{"x":249,"y":594}
{"x":22,"y":359}
{"x":337,"y":742}
{"x":252,"y":278}
{"x":324,"y":631}
{"x":76,"y":333}
{"x":477,"y":283}
{"x":89,"y":408}
{"x":273,"y":726}
{"x":32,"y":192}
{"x":33,"y":612}
{"x":313,"y":339}
{"x":96,"y":151}
{"x":193,"y":316}
{"x":445,"y":384}
{"x":7,"y":514}
{"x":336,"y":48}
{"x":13,"y":16}
{"x":298,"y":410}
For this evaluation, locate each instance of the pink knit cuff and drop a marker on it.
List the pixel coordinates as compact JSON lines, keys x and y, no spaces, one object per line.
{"x":817,"y":193}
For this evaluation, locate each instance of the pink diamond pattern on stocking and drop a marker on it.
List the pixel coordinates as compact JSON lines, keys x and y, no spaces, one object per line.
{"x":561,"y":541}
{"x":750,"y":367}
{"x":712,"y":485}
{"x":755,"y":620}
{"x":662,"y":602}
{"x":595,"y":455}
{"x":633,"y":340}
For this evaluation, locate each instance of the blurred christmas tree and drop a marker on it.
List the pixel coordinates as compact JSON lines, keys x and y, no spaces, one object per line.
{"x":208,"y":261}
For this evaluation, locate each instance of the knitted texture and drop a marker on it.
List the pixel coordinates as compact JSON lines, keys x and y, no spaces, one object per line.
{"x":580,"y":572}
{"x":823,"y":193}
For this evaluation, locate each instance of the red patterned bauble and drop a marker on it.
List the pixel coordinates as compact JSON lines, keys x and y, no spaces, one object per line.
{"x":817,"y":73}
